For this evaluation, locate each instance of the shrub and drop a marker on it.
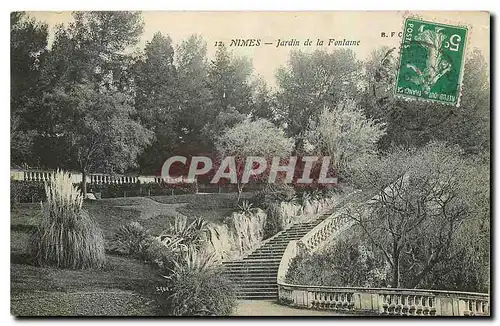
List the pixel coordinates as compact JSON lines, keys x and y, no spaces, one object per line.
{"x":26,"y":191}
{"x":197,"y":288}
{"x":195,"y":233}
{"x":346,"y":263}
{"x":67,"y":236}
{"x":131,"y":239}
{"x":274,"y":220}
{"x":274,"y":192}
{"x":163,"y":253}
{"x":245,"y":207}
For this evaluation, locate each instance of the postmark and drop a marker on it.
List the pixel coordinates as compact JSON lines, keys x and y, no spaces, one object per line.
{"x":431,"y":61}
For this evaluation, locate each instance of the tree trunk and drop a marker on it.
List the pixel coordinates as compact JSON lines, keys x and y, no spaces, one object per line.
{"x":395,"y":275}
{"x":240,"y":190}
{"x":84,"y":184}
{"x":395,"y":267}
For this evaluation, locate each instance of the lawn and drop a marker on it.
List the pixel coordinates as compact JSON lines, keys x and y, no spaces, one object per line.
{"x":211,"y":207}
{"x":124,"y":286}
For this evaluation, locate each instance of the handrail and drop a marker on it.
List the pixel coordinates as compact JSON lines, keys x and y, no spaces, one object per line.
{"x":389,"y":301}
{"x":385,"y":301}
{"x":321,"y":210}
{"x":312,"y":239}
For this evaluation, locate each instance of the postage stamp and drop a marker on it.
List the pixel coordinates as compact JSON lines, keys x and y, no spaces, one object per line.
{"x":431,"y":61}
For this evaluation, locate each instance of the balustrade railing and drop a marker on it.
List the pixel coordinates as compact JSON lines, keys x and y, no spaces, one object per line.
{"x":94,"y":178}
{"x":385,"y":301}
{"x":381,"y":301}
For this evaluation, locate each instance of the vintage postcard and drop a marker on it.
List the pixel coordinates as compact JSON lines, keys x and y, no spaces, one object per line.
{"x":250,"y":163}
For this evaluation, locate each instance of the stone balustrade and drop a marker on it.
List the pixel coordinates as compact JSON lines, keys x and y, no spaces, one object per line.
{"x":385,"y":301}
{"x":94,"y":178}
{"x":374,"y":301}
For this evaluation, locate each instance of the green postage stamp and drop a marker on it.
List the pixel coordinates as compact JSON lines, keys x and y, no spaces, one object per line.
{"x":431,"y":61}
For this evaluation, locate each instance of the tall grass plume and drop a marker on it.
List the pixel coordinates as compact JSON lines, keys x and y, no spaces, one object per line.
{"x":66,"y":236}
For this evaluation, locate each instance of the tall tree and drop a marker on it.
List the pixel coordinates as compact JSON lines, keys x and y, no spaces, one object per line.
{"x":156,"y":99}
{"x":229,"y":81}
{"x":88,"y":94}
{"x":312,"y":81}
{"x":346,"y":135}
{"x":194,"y":95}
{"x":252,"y":138}
{"x":414,"y":123}
{"x":98,"y":41}
{"x":96,"y":129}
{"x":28,"y":49}
{"x":421,"y":208}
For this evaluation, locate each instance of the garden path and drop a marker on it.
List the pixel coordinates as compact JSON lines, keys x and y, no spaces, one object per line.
{"x":272,"y":308}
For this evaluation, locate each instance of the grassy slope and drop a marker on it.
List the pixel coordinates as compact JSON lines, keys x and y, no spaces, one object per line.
{"x":125,"y":286}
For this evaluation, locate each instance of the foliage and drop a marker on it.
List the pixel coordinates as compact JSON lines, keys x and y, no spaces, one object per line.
{"x":312,"y":81}
{"x":423,"y":201}
{"x":67,"y":235}
{"x":274,"y":192}
{"x":416,"y":123}
{"x":95,"y":138}
{"x":142,"y":189}
{"x":346,"y":135}
{"x":347,"y":262}
{"x":28,"y":47}
{"x":245,"y":207}
{"x":274,"y":220}
{"x":156,"y":99}
{"x":195,"y":233}
{"x":26,"y":192}
{"x":197,"y":288}
{"x":253,"y":138}
{"x":130,"y":239}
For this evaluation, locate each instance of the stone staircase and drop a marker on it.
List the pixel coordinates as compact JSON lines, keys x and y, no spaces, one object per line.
{"x":256,"y":274}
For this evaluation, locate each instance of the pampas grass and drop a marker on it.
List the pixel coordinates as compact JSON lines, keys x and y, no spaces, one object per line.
{"x":67,"y":236}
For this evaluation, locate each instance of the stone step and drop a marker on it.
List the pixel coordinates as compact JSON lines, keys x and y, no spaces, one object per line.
{"x":257,"y":297}
{"x":252,"y":278}
{"x":256,"y":281}
{"x":258,"y":291}
{"x":277,"y":250}
{"x":252,"y":268}
{"x":266,"y":255}
{"x":246,"y":287}
{"x":255,"y":275}
{"x":251,"y":262}
{"x":256,"y":270}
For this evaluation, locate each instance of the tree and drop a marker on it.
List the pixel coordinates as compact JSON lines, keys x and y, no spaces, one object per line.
{"x":345,"y":134}
{"x":194,"y":94}
{"x":92,"y":48}
{"x":97,"y":128}
{"x":416,"y":123}
{"x":28,"y":49}
{"x":85,"y":118}
{"x":229,"y":82}
{"x":253,"y":138}
{"x":264,"y":102}
{"x":421,"y":205}
{"x":157,"y":100}
{"x":312,"y":81}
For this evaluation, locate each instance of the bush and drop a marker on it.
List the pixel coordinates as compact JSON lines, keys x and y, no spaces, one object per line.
{"x":346,"y":263}
{"x":274,"y":220}
{"x":197,"y":288}
{"x":274,"y":192}
{"x":144,"y":189}
{"x":67,"y":235}
{"x":26,"y":191}
{"x":131,"y":239}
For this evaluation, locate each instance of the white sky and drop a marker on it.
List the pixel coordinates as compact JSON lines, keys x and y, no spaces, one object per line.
{"x":365,"y":26}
